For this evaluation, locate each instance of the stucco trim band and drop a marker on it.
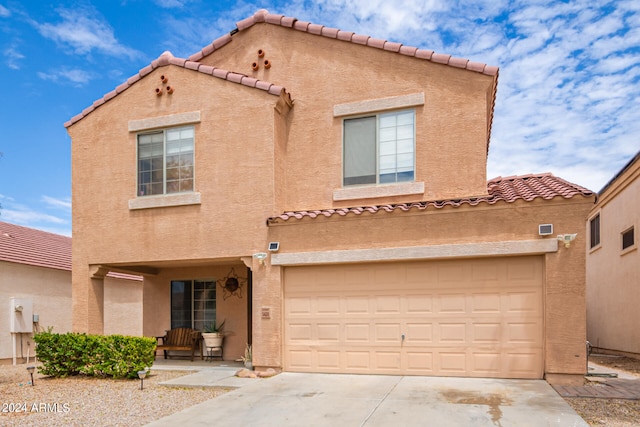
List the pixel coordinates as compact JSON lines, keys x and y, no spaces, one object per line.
{"x":378,"y":191}
{"x":148,"y":202}
{"x":380,"y":104}
{"x":164,"y":121}
{"x":521,"y":247}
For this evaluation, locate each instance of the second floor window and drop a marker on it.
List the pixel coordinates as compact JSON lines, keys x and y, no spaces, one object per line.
{"x":628,"y":238}
{"x":165,"y":161}
{"x":594,"y":231}
{"x":379,"y":149}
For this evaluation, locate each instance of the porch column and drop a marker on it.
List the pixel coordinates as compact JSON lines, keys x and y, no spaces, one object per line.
{"x":88,"y":300}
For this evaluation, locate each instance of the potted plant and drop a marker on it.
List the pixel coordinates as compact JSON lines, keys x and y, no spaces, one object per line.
{"x":248,"y":357}
{"x":213,"y":334}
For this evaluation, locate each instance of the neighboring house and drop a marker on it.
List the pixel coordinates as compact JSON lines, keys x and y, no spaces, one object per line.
{"x":35,"y":270}
{"x":325,"y":194}
{"x":613,"y":264}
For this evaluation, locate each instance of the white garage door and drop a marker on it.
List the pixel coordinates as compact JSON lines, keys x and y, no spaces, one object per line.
{"x":477,"y":318}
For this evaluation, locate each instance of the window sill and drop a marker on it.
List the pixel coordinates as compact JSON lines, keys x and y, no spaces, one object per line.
{"x":148,"y":202}
{"x":629,"y":249}
{"x":595,"y":248}
{"x":387,"y":190}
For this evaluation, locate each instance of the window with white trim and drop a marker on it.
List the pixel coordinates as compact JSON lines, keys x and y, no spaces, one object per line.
{"x":379,"y":149}
{"x":166,"y":161}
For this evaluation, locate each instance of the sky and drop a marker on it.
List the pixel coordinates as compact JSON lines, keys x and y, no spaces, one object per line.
{"x":568,"y":89}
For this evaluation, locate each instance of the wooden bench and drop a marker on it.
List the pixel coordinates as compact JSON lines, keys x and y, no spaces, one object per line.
{"x":183,"y":339}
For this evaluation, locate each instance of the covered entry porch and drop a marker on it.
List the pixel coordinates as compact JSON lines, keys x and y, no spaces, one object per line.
{"x":187,"y":294}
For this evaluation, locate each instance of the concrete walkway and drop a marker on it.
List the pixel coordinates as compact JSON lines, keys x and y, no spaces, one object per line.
{"x":294,"y":399}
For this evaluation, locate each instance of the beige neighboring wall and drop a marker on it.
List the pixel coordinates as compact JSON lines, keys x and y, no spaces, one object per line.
{"x":613,"y":274}
{"x":48,"y":289}
{"x":122,"y":306}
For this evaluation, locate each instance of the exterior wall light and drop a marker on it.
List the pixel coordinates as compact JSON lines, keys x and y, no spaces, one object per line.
{"x":260,"y":256}
{"x":567,"y":239}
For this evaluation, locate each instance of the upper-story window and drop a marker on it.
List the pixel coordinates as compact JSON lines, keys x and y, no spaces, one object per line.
{"x":594,"y":231}
{"x":379,"y":149}
{"x":628,"y":239}
{"x":165,"y":161}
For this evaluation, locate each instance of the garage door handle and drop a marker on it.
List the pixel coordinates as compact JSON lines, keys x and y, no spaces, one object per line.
{"x":402,"y":337}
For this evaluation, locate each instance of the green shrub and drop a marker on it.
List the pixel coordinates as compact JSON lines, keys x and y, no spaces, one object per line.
{"x":114,"y":356}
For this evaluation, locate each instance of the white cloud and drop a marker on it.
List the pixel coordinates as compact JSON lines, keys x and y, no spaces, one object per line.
{"x":64,"y":203}
{"x":170,"y":4}
{"x":4,"y":12}
{"x":12,"y":58}
{"x":85,"y":32}
{"x":77,"y":77}
{"x":36,"y":217}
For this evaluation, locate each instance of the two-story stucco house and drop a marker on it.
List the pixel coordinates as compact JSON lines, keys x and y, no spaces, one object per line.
{"x":325,"y":194}
{"x":613,"y":264}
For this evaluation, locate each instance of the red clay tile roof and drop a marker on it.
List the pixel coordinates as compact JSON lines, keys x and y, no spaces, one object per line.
{"x":508,"y":189}
{"x":24,"y":245}
{"x":263,"y":16}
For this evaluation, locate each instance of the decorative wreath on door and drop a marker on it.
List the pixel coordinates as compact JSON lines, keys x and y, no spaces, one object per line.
{"x":231,"y":284}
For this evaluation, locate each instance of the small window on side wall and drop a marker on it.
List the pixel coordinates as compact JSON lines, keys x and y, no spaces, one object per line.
{"x":594,"y":231}
{"x":628,"y":238}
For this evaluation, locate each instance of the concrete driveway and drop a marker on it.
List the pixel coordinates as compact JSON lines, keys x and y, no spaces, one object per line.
{"x":292,"y":399}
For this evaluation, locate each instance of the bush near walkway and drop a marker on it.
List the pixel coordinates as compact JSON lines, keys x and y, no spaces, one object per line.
{"x":114,"y":356}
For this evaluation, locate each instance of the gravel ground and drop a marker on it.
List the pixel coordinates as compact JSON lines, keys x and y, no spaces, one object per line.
{"x":610,"y":412}
{"x":83,"y":401}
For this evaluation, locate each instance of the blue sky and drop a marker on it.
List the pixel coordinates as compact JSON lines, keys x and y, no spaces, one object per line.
{"x":568,"y":92}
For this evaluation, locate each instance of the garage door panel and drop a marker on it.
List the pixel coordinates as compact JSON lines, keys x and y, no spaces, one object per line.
{"x":484,"y":320}
{"x":387,"y":304}
{"x":357,"y":305}
{"x":487,"y":333}
{"x":328,"y":305}
{"x":419,"y":333}
{"x":452,"y":362}
{"x":452,"y":303}
{"x":387,"y":333}
{"x":358,"y":360}
{"x":452,"y":333}
{"x":419,"y":304}
{"x":420,"y":362}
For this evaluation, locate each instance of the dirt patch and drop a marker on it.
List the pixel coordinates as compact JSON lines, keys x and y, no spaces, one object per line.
{"x":610,"y":412}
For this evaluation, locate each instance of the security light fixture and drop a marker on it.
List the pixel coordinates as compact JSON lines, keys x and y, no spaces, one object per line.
{"x":260,"y":256}
{"x":567,"y":239}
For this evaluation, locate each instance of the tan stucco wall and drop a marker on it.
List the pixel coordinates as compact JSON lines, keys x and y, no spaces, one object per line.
{"x":613,"y":275}
{"x":122,"y":306}
{"x":319,"y":72}
{"x":565,"y":332}
{"x":50,"y":292}
{"x":233,"y":310}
